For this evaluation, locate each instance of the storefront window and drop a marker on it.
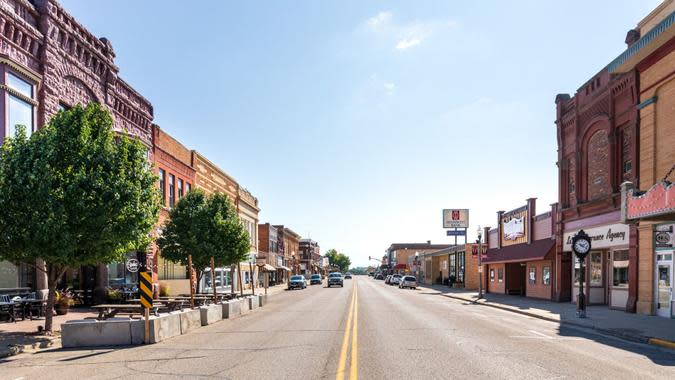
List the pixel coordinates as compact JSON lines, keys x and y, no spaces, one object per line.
{"x":620,"y":269}
{"x":500,"y":274}
{"x":9,"y":275}
{"x":596,"y":268}
{"x":460,"y":265}
{"x":577,"y":270}
{"x":452,"y":273}
{"x":118,"y":275}
{"x":546,"y":275}
{"x":532,"y":277}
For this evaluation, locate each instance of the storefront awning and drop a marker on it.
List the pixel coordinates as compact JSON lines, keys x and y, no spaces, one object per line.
{"x":267,"y":268}
{"x":537,"y":250}
{"x":287,"y":269}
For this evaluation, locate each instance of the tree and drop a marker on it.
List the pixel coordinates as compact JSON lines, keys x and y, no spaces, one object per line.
{"x":339,"y":260}
{"x":204,"y":227}
{"x":74,"y":193}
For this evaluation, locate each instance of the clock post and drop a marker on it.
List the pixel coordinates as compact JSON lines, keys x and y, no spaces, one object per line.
{"x":581,"y":245}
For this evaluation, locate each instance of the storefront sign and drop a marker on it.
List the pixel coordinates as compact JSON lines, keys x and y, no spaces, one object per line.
{"x":514,"y":228}
{"x":456,"y":218}
{"x":132,"y":265}
{"x":612,"y":235}
{"x":664,"y":237}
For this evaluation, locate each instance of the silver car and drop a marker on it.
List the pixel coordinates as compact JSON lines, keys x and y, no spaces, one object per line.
{"x":408,"y":282}
{"x":395,"y":279}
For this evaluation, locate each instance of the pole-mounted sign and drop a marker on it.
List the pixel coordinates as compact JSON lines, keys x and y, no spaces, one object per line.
{"x":145,"y":290}
{"x":581,"y":245}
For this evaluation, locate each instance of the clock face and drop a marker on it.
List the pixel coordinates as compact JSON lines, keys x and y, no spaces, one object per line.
{"x":582,"y":246}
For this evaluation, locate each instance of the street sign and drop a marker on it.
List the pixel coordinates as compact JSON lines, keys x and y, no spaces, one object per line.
{"x":146,"y":289}
{"x":456,"y":218}
{"x":456,"y":232}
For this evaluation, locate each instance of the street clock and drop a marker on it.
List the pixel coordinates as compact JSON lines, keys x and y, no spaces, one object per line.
{"x":581,"y":244}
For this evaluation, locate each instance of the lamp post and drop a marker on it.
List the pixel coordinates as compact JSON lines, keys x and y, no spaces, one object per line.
{"x":417,"y":266}
{"x":480,"y":263}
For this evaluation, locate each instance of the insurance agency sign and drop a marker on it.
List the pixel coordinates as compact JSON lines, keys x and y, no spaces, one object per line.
{"x":612,"y":235}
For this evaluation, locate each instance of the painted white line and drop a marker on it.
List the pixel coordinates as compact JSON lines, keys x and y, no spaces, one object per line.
{"x":540,"y":334}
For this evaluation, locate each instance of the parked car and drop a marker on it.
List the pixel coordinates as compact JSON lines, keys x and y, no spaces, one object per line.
{"x":395,"y":279}
{"x":297,"y":282}
{"x":348,"y":276}
{"x":335,"y":278}
{"x":408,"y":282}
{"x":387,"y":279}
{"x":315,"y":279}
{"x":379,"y":276}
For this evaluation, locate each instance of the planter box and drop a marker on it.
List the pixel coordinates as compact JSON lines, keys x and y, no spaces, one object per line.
{"x":211,"y":314}
{"x":231,"y":309}
{"x":190,"y":320}
{"x":164,"y":327}
{"x":90,"y":332}
{"x":244,"y":307}
{"x":253,"y":302}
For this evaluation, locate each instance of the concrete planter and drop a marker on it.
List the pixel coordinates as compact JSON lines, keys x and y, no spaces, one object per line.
{"x":189,"y":320}
{"x":164,"y":327}
{"x":244,"y":306}
{"x":211,"y":314}
{"x":231,"y":309}
{"x":262,"y":301}
{"x":90,"y":332}
{"x":253,"y":302}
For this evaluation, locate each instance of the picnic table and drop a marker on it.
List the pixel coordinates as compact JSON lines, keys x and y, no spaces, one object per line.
{"x":201,"y":300}
{"x":16,"y":306}
{"x":109,"y":311}
{"x":167,"y":304}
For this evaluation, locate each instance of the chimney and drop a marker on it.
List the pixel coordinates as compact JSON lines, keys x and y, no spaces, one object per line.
{"x":428,"y":242}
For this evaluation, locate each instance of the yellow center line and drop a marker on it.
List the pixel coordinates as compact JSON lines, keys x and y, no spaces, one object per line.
{"x":340,"y":375}
{"x":354,"y":365}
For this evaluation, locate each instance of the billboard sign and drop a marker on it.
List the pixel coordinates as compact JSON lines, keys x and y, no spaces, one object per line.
{"x":456,"y":218}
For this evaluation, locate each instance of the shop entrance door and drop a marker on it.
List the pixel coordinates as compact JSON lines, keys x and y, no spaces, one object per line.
{"x":664,"y":284}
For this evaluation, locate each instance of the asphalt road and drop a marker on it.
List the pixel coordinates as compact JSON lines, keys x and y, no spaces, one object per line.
{"x":398,"y":334}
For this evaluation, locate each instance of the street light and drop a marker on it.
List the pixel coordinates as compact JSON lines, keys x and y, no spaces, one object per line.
{"x":480,"y":263}
{"x":417,"y":265}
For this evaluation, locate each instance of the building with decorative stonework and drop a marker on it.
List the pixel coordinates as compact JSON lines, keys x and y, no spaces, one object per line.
{"x":49,"y":61}
{"x":597,"y":151}
{"x":649,"y":200}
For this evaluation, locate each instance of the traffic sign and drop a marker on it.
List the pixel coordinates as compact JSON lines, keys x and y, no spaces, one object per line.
{"x":146,"y":289}
{"x":456,"y":232}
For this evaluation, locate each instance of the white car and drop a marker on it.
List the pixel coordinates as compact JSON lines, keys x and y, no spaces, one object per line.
{"x":408,"y":282}
{"x":395,"y":279}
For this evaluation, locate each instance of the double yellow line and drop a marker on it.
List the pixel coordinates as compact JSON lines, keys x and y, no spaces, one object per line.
{"x":353,"y":325}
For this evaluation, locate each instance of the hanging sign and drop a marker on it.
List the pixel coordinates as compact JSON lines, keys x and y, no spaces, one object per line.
{"x":612,"y":235}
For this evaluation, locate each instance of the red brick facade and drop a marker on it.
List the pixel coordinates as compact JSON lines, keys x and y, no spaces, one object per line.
{"x":45,"y":46}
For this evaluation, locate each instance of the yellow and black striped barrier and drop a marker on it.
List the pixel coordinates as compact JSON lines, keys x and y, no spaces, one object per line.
{"x":146,"y":289}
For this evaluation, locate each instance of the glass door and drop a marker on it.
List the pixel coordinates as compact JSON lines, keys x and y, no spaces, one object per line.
{"x":664,"y":288}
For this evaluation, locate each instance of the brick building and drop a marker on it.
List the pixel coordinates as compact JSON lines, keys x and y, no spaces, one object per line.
{"x":268,"y":253}
{"x":172,"y":161}
{"x":649,"y":199}
{"x":597,"y":151}
{"x":521,"y":251}
{"x":289,"y":248}
{"x":309,"y":257}
{"x":211,"y":179}
{"x":49,"y":61}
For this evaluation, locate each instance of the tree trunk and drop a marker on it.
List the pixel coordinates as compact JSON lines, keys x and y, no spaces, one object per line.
{"x":54,"y":273}
{"x":200,"y":273}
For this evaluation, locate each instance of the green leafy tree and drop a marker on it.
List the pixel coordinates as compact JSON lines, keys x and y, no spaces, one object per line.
{"x":204,"y":227}
{"x":339,"y":260}
{"x":74,"y":193}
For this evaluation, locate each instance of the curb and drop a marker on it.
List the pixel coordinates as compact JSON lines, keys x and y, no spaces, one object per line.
{"x":664,"y":343}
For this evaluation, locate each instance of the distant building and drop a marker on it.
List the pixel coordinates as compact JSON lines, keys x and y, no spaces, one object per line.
{"x":310,"y":257}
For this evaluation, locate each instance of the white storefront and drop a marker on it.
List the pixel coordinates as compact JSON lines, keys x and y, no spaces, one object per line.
{"x":664,"y":250}
{"x":606,"y":280}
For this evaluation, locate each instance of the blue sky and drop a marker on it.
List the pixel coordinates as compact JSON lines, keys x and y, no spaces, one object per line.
{"x":356,"y":122}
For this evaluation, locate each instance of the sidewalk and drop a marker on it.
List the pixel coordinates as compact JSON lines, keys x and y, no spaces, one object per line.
{"x":22,"y":335}
{"x":635,"y":327}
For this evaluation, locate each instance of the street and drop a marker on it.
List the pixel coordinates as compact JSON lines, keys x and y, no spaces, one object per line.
{"x":400,"y":334}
